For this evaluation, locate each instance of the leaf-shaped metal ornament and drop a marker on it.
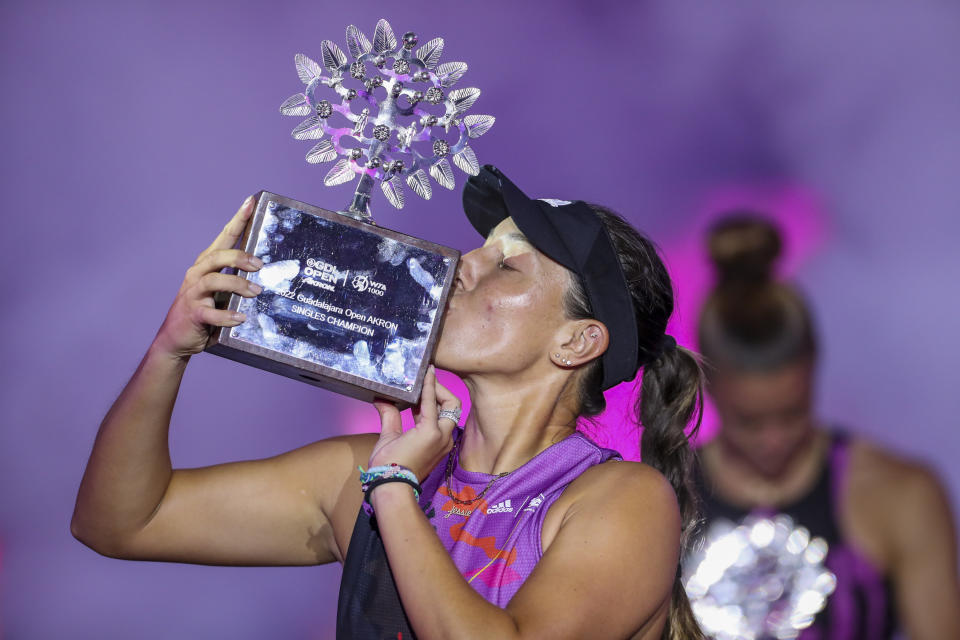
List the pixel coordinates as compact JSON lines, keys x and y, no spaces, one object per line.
{"x":333,"y":57}
{"x":357,"y":43}
{"x":309,"y":129}
{"x":420,"y":183}
{"x":322,"y":152}
{"x":361,"y":122}
{"x":295,"y":105}
{"x":340,"y":173}
{"x":463,"y":99}
{"x":405,"y":135}
{"x":466,"y":161}
{"x":383,"y":38}
{"x":442,"y":173}
{"x":430,"y":53}
{"x":478,"y":125}
{"x":450,"y":72}
{"x":307,"y":69}
{"x":394,"y":191}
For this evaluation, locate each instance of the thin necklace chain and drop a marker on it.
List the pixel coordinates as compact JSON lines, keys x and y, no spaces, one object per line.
{"x":455,"y":454}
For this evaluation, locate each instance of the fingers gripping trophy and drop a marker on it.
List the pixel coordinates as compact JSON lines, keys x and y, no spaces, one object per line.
{"x":345,"y":304}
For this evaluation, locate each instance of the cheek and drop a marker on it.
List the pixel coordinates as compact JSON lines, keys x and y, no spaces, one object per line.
{"x":514,"y":308}
{"x":502,"y":330}
{"x":509,"y":322}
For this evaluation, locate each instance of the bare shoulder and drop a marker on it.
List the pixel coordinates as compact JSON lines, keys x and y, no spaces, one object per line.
{"x":623,"y":493}
{"x":891,"y":501}
{"x":624,"y":480}
{"x":877,"y":471}
{"x":614,"y":534}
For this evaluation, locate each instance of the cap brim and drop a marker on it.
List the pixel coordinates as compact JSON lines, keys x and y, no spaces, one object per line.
{"x":483,"y":200}
{"x":490,"y":197}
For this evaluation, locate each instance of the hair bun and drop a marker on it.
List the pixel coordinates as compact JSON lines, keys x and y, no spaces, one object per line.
{"x":743,"y":247}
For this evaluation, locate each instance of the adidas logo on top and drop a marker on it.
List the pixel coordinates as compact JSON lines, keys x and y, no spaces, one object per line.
{"x":500,"y":507}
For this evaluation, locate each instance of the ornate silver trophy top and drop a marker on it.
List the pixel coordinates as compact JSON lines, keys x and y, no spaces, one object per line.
{"x":762,"y":579}
{"x":414,"y":128}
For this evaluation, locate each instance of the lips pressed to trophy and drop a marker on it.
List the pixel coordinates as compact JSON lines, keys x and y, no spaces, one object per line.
{"x":348,"y":305}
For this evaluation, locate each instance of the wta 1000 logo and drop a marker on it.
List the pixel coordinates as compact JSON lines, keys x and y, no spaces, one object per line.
{"x":363,"y":283}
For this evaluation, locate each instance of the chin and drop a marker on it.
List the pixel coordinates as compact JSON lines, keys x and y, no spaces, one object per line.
{"x":457,"y":357}
{"x":771,"y":469}
{"x":450,"y":350}
{"x":442,"y":358}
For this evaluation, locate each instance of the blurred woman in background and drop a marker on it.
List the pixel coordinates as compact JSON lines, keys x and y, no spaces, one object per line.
{"x":892,"y":543}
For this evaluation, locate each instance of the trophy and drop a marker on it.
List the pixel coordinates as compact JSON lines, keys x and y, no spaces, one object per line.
{"x":348,"y":305}
{"x":763,"y":579}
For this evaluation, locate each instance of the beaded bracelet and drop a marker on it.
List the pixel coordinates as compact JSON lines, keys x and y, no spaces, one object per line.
{"x":376,"y":476}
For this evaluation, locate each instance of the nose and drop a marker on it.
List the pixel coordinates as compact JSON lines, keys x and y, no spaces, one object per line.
{"x":467,"y":270}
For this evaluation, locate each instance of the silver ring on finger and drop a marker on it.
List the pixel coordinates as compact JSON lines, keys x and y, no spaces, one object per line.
{"x":450,"y":414}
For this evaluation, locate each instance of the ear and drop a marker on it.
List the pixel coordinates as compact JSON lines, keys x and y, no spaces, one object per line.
{"x":586,"y":340}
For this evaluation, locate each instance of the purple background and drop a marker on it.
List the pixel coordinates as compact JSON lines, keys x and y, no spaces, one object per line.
{"x":133,"y":130}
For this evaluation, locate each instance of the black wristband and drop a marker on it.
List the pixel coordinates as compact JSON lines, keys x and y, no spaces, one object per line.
{"x":379,"y":481}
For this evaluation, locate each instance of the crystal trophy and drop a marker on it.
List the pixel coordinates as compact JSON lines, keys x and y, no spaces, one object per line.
{"x":348,"y":305}
{"x":763,"y":579}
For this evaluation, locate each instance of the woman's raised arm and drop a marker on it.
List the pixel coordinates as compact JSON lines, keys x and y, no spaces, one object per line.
{"x":296,"y":508}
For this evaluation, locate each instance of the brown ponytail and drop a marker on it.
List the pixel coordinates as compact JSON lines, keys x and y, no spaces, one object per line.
{"x":671,"y":395}
{"x":671,"y":389}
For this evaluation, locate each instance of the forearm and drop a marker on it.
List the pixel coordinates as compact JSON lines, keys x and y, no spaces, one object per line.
{"x":129,"y":468}
{"x":438,"y":601}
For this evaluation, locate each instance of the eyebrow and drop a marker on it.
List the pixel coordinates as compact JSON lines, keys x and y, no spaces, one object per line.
{"x":515,"y":235}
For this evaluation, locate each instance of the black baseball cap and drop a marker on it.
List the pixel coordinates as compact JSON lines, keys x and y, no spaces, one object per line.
{"x":572,"y":234}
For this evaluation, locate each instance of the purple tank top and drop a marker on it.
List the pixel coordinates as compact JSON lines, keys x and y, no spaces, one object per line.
{"x":495,"y":541}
